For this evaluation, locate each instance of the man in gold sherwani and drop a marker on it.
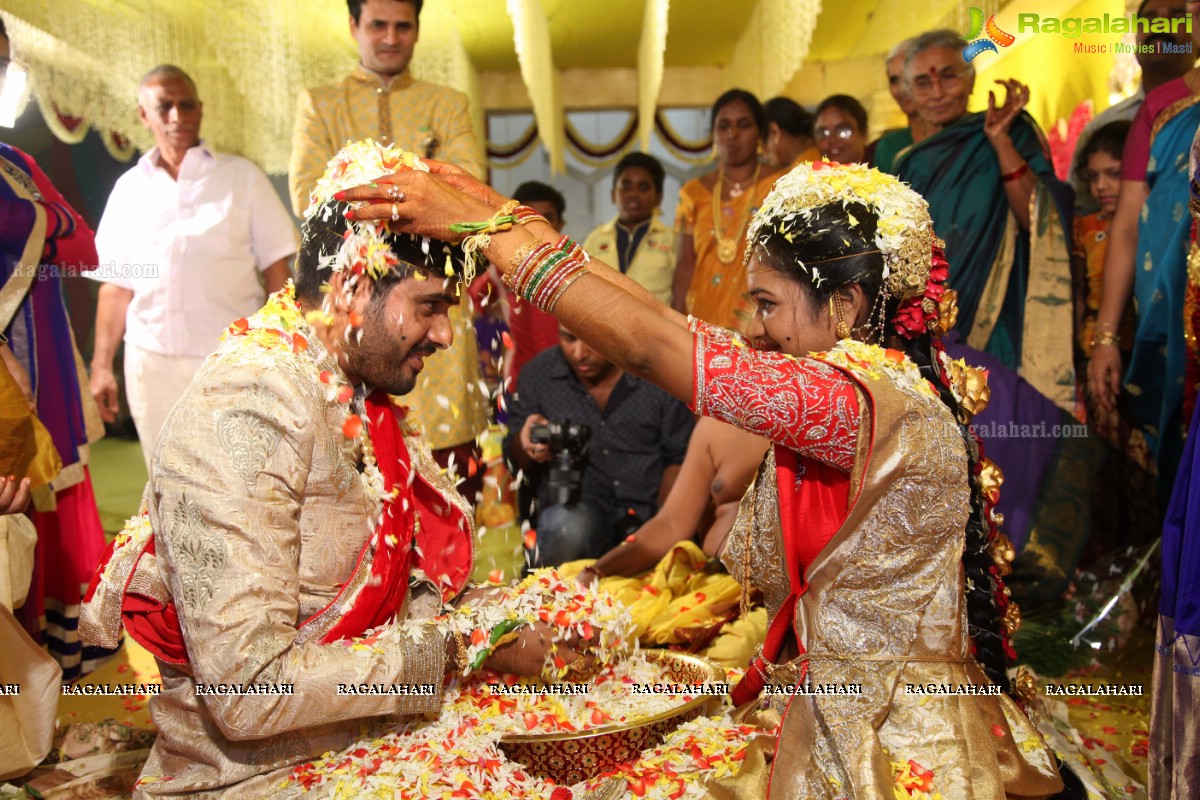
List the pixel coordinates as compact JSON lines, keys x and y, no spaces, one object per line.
{"x":381,"y":100}
{"x":295,"y":539}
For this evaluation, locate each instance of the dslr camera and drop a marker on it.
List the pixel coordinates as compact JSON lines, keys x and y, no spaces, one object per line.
{"x":568,"y":528}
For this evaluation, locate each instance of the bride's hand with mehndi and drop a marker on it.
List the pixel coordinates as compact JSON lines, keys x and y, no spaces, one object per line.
{"x":415,"y":202}
{"x":466,"y":183}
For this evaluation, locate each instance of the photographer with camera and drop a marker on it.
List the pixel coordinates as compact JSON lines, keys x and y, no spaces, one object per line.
{"x":599,"y":448}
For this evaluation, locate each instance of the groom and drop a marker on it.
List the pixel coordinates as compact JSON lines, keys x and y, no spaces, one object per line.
{"x":292,"y":513}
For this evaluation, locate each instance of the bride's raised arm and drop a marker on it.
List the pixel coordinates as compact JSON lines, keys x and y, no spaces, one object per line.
{"x":612,"y":313}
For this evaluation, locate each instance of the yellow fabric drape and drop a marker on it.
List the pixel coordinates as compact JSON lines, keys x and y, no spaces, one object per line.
{"x":249,"y":59}
{"x":773,"y":45}
{"x":651,"y":50}
{"x":531,"y":34}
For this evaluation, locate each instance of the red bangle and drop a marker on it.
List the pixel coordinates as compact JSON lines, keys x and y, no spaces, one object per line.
{"x":1016,"y":173}
{"x":526,"y":215}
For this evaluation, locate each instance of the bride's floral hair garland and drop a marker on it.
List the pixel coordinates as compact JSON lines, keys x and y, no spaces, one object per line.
{"x":903,"y":235}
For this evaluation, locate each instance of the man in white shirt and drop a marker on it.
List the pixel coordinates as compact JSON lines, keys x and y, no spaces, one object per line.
{"x":183,"y":240}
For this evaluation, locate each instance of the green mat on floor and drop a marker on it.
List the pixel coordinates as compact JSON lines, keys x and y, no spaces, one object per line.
{"x":118,"y":477}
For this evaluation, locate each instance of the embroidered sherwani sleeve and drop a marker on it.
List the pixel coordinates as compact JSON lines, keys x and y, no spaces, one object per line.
{"x":461,"y":145}
{"x":231,"y":474}
{"x":802,"y":404}
{"x":312,"y":147}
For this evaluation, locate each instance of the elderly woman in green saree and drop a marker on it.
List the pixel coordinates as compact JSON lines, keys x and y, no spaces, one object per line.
{"x":1004,"y":215}
{"x":994,"y":197}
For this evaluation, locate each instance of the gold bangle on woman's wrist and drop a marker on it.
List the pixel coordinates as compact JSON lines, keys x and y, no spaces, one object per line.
{"x":1110,"y":338}
{"x":541,"y":272}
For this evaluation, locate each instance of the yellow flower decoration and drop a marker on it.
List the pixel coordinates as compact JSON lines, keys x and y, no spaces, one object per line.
{"x":947,"y":313}
{"x":365,"y":250}
{"x":1012,"y":620}
{"x":905,"y":232}
{"x":1024,"y":686}
{"x":969,"y":387}
{"x":990,"y":479}
{"x":1003,"y":553}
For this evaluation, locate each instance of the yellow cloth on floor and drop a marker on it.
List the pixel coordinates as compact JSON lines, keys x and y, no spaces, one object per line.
{"x":679,"y":602}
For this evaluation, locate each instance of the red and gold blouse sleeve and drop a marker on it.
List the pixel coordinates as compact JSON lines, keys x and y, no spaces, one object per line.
{"x":802,"y":404}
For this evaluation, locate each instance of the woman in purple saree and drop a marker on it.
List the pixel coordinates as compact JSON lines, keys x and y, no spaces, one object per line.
{"x":43,"y":239}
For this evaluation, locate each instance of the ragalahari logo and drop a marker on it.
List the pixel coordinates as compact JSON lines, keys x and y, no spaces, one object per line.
{"x":994,"y":37}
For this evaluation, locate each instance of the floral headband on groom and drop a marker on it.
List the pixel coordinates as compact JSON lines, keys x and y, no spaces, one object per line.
{"x":369,"y":248}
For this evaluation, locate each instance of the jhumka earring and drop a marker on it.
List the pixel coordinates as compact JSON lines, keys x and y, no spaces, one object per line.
{"x":835,"y":307}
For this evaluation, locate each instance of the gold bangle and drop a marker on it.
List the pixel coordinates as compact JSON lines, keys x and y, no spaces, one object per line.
{"x":460,"y":652}
{"x":523,"y":253}
{"x":1106,"y":338}
{"x":552,"y":303}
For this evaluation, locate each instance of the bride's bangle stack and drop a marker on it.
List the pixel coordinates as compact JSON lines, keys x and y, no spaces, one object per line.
{"x":526,"y":215}
{"x":540,"y":272}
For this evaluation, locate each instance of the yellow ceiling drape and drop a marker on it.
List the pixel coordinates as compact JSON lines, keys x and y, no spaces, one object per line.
{"x":651,"y":52}
{"x":531,"y":35}
{"x":250,"y":58}
{"x":773,"y":45}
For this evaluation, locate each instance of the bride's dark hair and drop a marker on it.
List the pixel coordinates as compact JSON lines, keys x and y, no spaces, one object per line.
{"x":828,"y":249}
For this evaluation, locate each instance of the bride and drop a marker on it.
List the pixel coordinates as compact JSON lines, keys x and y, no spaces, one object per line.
{"x":870,"y":528}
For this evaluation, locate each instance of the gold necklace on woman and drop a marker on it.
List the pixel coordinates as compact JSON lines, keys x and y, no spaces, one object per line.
{"x":727,"y":247}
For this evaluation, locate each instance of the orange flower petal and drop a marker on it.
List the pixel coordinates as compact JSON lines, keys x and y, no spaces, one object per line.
{"x":352,"y":427}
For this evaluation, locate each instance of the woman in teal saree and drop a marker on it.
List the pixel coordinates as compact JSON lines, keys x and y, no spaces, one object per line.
{"x":1148,"y":257}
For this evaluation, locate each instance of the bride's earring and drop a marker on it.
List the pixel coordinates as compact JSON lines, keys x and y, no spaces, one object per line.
{"x":835,"y":307}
